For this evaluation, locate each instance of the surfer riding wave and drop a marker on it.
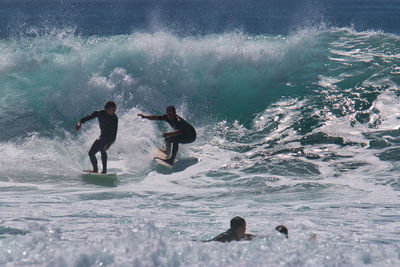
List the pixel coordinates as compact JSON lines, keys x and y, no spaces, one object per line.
{"x":183,"y":133}
{"x":108,"y":123}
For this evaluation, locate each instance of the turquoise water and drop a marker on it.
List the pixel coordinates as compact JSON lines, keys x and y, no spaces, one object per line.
{"x":299,"y":129}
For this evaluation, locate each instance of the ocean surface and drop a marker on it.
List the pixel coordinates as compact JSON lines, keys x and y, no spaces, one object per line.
{"x":296,"y":106}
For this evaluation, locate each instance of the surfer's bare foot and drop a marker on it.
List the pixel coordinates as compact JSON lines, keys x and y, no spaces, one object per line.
{"x":164,"y":150}
{"x":103,"y":172}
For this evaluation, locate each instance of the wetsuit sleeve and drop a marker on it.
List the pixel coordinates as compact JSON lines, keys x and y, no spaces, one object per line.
{"x":248,"y":237}
{"x":114,"y":136}
{"x":221,"y":238}
{"x":224,"y":237}
{"x":90,"y":117}
{"x":162,"y":118}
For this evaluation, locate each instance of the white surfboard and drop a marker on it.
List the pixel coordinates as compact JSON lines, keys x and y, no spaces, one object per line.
{"x":110,"y":176}
{"x":159,"y":154}
{"x":160,"y":158}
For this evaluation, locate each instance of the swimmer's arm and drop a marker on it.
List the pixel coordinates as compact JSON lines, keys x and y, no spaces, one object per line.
{"x":248,"y":237}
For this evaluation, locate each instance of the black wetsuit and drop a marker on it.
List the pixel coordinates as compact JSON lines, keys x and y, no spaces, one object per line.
{"x":108,"y":126}
{"x":187,"y":134}
{"x":227,"y":236}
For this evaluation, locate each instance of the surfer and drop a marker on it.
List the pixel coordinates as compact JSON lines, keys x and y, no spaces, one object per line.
{"x":183,"y":133}
{"x":108,"y":123}
{"x":237,"y":232}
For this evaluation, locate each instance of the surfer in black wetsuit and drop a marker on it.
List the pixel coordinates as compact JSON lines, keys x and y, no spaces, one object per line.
{"x":237,"y":232}
{"x":108,"y":123}
{"x":184,"y":132}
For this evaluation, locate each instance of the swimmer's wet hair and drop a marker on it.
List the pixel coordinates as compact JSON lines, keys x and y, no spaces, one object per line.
{"x":237,"y":222}
{"x":110,"y":104}
{"x":283,"y":230}
{"x":171,"y":108}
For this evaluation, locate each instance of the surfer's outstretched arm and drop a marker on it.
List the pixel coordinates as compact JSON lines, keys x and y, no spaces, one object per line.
{"x":87,"y":118}
{"x":151,"y":117}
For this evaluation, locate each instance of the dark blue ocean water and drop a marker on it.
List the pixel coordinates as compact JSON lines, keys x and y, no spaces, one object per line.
{"x":187,"y":17}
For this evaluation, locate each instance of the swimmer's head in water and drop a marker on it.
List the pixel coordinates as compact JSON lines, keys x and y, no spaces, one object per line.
{"x":283,"y":230}
{"x":238,"y":226}
{"x":110,"y":107}
{"x":171,"y":112}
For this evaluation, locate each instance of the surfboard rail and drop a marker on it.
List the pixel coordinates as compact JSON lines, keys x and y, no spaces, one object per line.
{"x":160,"y":158}
{"x":100,"y":176}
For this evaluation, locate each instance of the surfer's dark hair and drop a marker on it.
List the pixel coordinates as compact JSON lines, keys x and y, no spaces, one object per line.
{"x":236,"y":222}
{"x":283,"y":230}
{"x":171,"y":108}
{"x":110,"y":104}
